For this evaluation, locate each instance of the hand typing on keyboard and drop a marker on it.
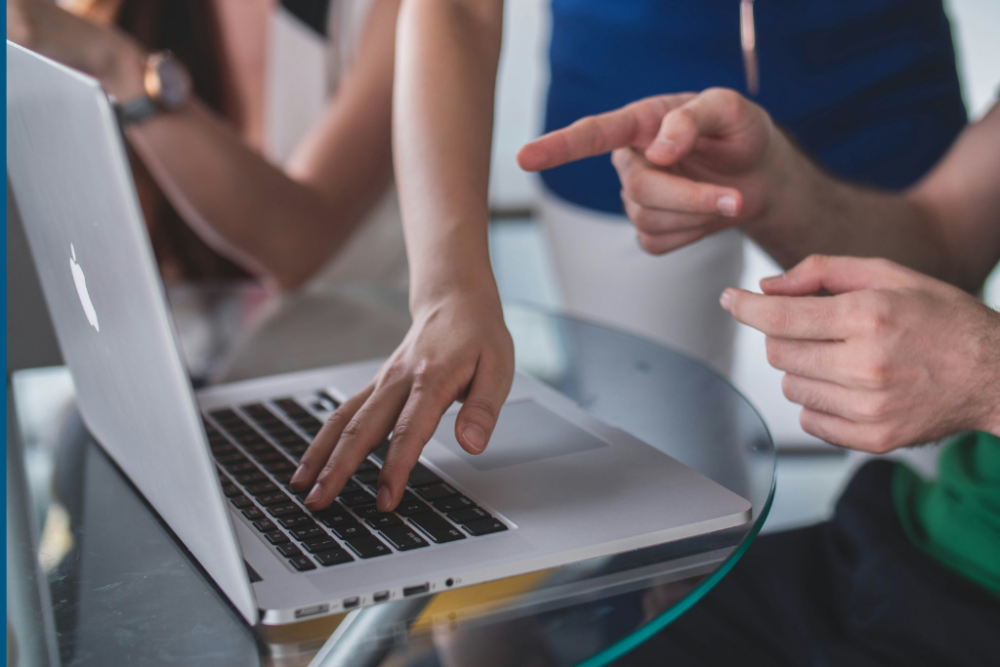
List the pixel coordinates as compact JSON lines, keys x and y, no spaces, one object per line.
{"x":457,"y":349}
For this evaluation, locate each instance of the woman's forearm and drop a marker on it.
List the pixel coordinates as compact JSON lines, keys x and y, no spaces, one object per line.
{"x":283,"y":224}
{"x":447,"y":55}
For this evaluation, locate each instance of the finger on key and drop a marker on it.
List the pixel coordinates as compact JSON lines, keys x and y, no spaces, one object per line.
{"x":361,"y":436}
{"x":318,"y":453}
{"x":416,"y":425}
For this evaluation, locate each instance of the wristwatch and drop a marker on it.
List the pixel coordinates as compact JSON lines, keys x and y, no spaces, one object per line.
{"x":167,"y":87}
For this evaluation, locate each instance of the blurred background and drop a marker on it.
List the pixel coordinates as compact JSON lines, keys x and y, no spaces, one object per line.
{"x":810,"y":472}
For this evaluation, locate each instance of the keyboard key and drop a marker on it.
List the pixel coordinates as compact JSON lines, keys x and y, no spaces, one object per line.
{"x":336,"y":520}
{"x":269,"y":456}
{"x":297,"y":451}
{"x":368,"y":547}
{"x":264,"y":525}
{"x":434,"y":492}
{"x":307,"y":532}
{"x":253,"y":513}
{"x":367,"y":465}
{"x":228,"y":459}
{"x":422,"y":476}
{"x":437,"y":528}
{"x":283,"y":509}
{"x":403,"y":538}
{"x":296,"y":521}
{"x":237,"y":468}
{"x":349,"y":531}
{"x":276,"y":537}
{"x":223,"y":449}
{"x":454,"y":504}
{"x":241,"y":501}
{"x":230,"y":490}
{"x":369,"y":476}
{"x":366,"y":512}
{"x":302,"y":563}
{"x":333,"y":557}
{"x":251,"y":477}
{"x":261,"y":488}
{"x":410,"y":506}
{"x":284,"y":465}
{"x":357,"y":499}
{"x":288,"y":550}
{"x":470,"y":514}
{"x":380,"y":521}
{"x":484,"y":526}
{"x":318,"y":544}
{"x":284,"y":477}
{"x":273,"y":498}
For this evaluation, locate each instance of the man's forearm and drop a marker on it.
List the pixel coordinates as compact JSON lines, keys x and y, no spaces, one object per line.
{"x":946,"y":226}
{"x":812,"y":212}
{"x":447,"y":55}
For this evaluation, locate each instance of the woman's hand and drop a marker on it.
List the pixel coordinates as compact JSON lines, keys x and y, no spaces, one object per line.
{"x":107,"y":54}
{"x":458,"y":349}
{"x":690,"y":165}
{"x":895,"y":358}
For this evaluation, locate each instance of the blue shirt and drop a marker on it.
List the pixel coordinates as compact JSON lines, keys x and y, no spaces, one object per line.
{"x":867,"y":87}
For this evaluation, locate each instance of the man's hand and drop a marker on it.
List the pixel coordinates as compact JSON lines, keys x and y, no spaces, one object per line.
{"x":457,"y":349}
{"x":894,"y":358}
{"x":690,"y":165}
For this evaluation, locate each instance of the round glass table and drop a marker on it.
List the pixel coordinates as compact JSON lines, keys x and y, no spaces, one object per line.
{"x":95,"y":577}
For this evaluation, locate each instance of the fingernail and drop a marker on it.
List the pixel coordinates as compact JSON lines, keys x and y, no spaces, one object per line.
{"x":299,"y":476}
{"x":772,"y":279}
{"x":314,"y":494}
{"x":384,"y":499}
{"x":726,"y":299}
{"x":475,"y":437}
{"x":664,"y":148}
{"x":727,"y":205}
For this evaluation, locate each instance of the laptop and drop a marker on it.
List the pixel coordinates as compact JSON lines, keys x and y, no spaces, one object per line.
{"x":555,"y":485}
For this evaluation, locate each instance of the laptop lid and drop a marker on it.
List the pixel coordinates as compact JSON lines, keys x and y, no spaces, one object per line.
{"x":70,"y":176}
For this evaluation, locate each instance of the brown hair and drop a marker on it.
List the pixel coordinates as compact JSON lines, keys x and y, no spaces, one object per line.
{"x":188,"y":28}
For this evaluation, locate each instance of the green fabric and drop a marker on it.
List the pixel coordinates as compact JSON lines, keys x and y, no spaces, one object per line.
{"x":956,"y":519}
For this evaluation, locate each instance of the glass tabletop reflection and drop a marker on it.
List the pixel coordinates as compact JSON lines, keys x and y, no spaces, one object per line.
{"x":115,"y":587}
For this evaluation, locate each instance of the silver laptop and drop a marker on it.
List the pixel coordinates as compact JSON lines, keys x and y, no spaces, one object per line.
{"x":554,"y":486}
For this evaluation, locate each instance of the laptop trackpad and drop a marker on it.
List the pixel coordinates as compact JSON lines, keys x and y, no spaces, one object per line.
{"x":525,"y":432}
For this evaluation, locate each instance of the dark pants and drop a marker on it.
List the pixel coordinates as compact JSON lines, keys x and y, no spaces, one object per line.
{"x":851,"y":591}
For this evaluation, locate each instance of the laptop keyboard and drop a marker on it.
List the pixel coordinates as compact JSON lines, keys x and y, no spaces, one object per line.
{"x":257,"y":451}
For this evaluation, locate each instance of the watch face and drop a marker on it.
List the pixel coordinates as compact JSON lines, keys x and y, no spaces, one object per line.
{"x":174,"y":84}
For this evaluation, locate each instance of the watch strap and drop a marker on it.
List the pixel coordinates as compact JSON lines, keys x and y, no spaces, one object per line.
{"x":137,"y":110}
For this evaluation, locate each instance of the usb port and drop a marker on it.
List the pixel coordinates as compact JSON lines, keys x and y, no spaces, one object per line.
{"x":351,"y":603}
{"x":381,"y":596}
{"x":416,"y":590}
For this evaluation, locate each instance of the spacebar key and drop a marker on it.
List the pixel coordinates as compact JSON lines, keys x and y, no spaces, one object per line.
{"x":437,"y":528}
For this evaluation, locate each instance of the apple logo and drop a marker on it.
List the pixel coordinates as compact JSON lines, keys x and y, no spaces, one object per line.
{"x":81,"y":289}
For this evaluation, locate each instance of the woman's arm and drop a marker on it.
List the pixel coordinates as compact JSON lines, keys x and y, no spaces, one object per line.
{"x":279,"y":224}
{"x":458,"y":347}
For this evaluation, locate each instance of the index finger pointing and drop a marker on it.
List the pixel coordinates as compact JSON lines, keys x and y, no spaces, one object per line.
{"x":805,"y":317}
{"x":632,"y":125}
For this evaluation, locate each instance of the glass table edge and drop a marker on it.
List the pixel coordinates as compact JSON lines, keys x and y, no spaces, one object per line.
{"x":625,"y":645}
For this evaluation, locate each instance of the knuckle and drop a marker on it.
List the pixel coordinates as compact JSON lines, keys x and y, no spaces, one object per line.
{"x":776,"y":354}
{"x":777,"y":320}
{"x":482,"y":407}
{"x":815,"y":263}
{"x":352,"y":430}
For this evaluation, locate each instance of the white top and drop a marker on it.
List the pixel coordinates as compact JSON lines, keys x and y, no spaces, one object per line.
{"x":304,"y":68}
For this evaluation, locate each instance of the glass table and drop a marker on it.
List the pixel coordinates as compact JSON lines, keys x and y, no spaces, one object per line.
{"x":95,"y":578}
